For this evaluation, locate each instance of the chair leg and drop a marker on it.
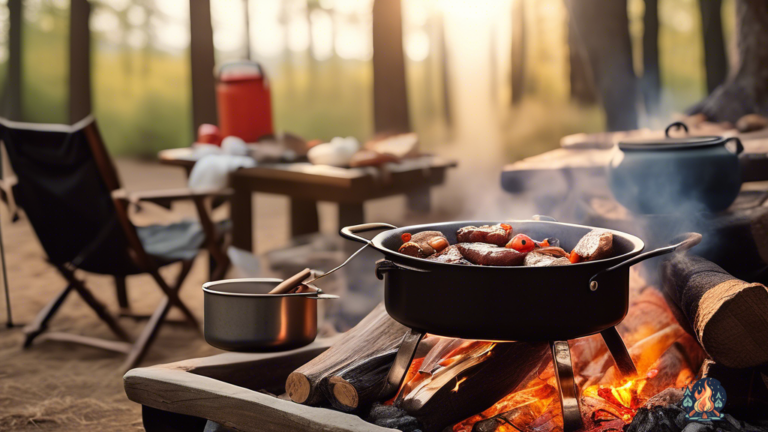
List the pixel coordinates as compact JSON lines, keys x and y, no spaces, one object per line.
{"x":36,"y":327}
{"x":122,"y":293}
{"x":141,"y":346}
{"x":157,"y":318}
{"x":96,"y":305}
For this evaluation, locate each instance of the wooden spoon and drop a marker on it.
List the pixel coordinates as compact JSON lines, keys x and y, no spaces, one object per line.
{"x":285,"y":286}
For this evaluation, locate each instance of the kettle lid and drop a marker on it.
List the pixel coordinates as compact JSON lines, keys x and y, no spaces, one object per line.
{"x":670,"y":143}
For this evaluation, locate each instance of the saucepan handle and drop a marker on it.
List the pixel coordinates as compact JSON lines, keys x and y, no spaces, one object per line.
{"x":686,"y":241}
{"x":320,"y":296}
{"x":385,"y":265}
{"x":350,"y":231}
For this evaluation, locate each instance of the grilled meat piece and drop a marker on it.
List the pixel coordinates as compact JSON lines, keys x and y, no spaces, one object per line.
{"x":490,"y":255}
{"x":537,"y":259}
{"x":498,"y":234}
{"x":450,"y":255}
{"x":424,"y":244}
{"x":597,"y":244}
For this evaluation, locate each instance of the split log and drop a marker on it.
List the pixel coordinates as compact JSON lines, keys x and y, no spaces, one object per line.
{"x":375,"y":336}
{"x":728,"y":317}
{"x":675,"y":365}
{"x":481,"y":385}
{"x":360,"y":384}
{"x":747,"y":389}
{"x":646,"y":352}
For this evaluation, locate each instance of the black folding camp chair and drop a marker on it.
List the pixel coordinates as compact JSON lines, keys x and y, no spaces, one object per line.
{"x":69,"y":191}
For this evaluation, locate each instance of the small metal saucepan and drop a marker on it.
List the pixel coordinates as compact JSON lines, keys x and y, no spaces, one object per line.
{"x":241,"y":316}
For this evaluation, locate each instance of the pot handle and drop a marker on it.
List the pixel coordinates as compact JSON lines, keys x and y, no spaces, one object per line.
{"x":739,"y":146}
{"x":350,"y":231}
{"x":322,"y":296}
{"x":676,"y":125}
{"x":385,"y":265}
{"x":689,"y":240}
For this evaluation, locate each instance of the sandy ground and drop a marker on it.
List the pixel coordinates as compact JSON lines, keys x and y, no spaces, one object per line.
{"x":58,"y":386}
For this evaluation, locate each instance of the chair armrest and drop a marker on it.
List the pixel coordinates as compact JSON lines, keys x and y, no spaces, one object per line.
{"x":165,"y":197}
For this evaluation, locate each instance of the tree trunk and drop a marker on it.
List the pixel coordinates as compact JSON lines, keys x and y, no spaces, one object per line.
{"x":650,"y":84}
{"x":203,"y":63}
{"x":747,"y":91}
{"x":518,"y":50}
{"x":79,"y":60}
{"x":12,"y":92}
{"x":603,"y":26}
{"x":390,"y":96}
{"x":582,"y":84}
{"x":715,"y":60}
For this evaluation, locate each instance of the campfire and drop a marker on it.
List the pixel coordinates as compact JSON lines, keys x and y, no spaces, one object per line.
{"x":481,"y":386}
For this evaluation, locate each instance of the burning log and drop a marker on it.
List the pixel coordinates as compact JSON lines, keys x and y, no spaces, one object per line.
{"x":479,"y":386}
{"x":374,"y":338}
{"x":728,"y":317}
{"x":645,"y":352}
{"x":674,"y":368}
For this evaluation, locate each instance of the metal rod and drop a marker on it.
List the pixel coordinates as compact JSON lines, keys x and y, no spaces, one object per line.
{"x":338,"y":267}
{"x":402,"y":362}
{"x":566,"y":384}
{"x":619,"y":352}
{"x":9,"y":317}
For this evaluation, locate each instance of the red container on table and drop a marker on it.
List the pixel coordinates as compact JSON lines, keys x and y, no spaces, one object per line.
{"x":244,"y":101}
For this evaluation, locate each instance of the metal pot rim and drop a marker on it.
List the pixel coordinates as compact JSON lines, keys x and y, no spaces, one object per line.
{"x":377,"y":243}
{"x":207,"y":288}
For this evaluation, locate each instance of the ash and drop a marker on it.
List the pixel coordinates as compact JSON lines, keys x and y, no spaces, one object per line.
{"x":392,"y":417}
{"x":671,"y":418}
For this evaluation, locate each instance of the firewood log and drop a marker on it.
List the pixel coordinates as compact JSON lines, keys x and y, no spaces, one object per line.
{"x":480,"y":387}
{"x":375,"y":336}
{"x":646,"y":352}
{"x":680,"y":359}
{"x":728,"y":317}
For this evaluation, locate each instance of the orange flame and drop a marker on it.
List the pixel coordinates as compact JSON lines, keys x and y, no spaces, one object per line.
{"x":704,"y":400}
{"x":458,"y":383}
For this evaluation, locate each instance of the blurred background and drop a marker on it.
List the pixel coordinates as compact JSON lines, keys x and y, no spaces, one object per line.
{"x":318,"y":57}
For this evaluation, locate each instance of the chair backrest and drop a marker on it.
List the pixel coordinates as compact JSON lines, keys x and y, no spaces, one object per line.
{"x":65,"y":180}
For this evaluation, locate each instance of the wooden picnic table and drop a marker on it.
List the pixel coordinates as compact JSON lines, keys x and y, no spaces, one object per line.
{"x":306,"y":184}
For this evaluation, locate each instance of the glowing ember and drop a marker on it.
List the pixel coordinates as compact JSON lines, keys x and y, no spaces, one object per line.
{"x":458,"y":383}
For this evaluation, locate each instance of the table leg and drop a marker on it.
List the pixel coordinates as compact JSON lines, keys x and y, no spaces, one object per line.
{"x":242,"y":219}
{"x":419,"y":200}
{"x":351,"y":214}
{"x":304,"y":219}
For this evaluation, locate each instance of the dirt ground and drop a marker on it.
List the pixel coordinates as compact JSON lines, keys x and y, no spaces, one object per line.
{"x":58,"y":386}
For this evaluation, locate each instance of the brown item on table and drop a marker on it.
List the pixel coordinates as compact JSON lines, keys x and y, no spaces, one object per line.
{"x":498,"y":234}
{"x":751,"y":123}
{"x":371,"y":158}
{"x":400,"y":145}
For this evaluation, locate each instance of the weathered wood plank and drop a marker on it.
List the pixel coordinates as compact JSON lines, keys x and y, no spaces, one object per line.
{"x":195,"y":388}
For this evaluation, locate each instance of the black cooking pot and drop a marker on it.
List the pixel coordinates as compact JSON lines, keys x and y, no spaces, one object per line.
{"x":676,"y":175}
{"x":506,"y":303}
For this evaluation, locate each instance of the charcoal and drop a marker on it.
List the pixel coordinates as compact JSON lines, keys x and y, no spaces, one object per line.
{"x":392,"y":417}
{"x":698,"y":427}
{"x":655,"y":419}
{"x":488,"y":425}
